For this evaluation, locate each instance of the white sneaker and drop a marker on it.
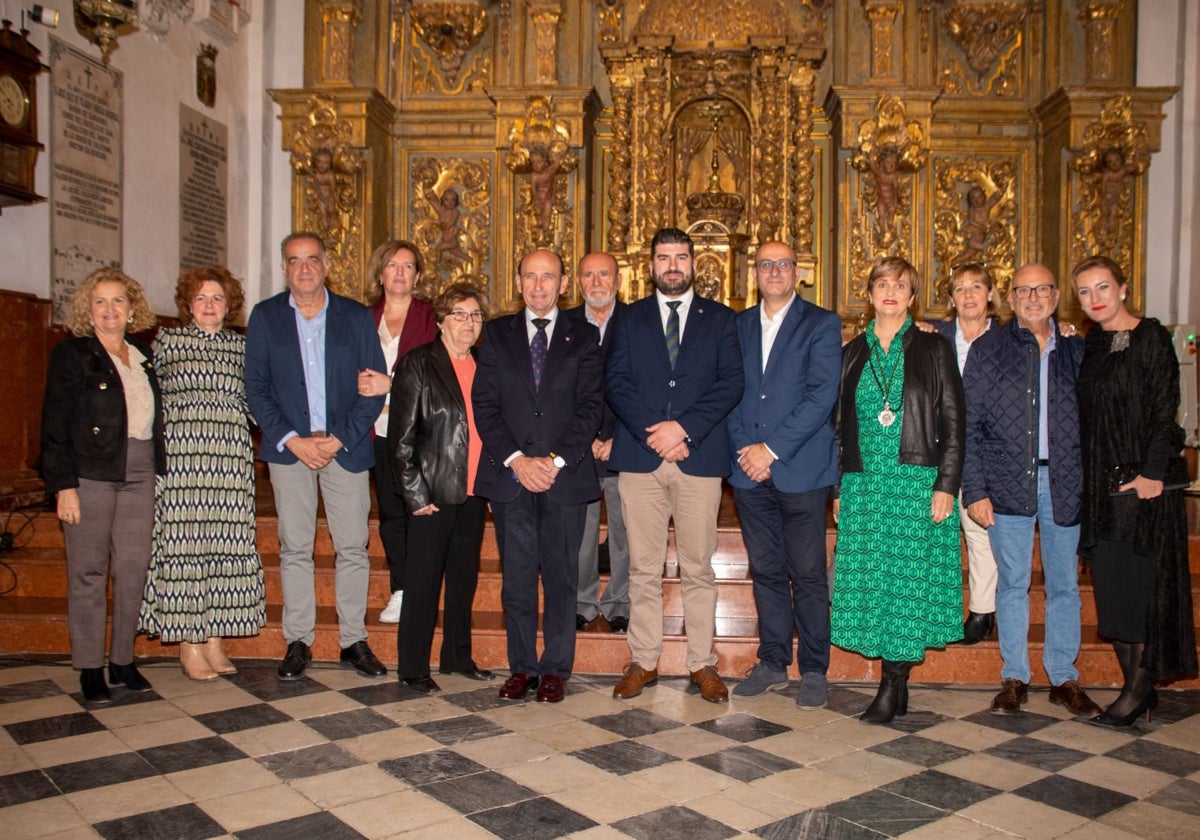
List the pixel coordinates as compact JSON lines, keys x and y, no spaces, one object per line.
{"x":391,"y":613}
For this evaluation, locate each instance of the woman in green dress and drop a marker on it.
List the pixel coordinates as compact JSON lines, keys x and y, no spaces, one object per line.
{"x":900,"y":439}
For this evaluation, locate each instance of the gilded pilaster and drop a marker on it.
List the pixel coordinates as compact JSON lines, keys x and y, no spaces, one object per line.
{"x":1097,"y":147}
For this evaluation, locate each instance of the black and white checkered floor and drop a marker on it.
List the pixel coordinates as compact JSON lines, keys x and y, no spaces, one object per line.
{"x":335,"y":755}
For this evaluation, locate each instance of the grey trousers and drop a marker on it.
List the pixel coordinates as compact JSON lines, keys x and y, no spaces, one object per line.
{"x":116,"y":519}
{"x":615,"y":602}
{"x":347,"y":498}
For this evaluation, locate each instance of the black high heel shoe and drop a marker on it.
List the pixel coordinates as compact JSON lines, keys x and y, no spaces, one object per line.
{"x":1148,"y":704}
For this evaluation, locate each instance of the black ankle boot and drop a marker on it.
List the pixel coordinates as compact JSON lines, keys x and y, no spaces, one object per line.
{"x":128,"y":676}
{"x":95,"y":689}
{"x":977,"y":627}
{"x":892,"y":698}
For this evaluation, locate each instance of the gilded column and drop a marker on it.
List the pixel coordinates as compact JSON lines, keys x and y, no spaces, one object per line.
{"x":802,"y":84}
{"x":881,"y":15}
{"x":772,"y":118}
{"x":653,"y":193}
{"x":546,"y":16}
{"x":339,"y":20}
{"x":1099,"y":19}
{"x":620,"y":183}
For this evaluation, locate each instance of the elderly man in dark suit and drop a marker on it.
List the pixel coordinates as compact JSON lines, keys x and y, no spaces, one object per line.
{"x":538,"y":396}
{"x":674,"y":372}
{"x":784,"y":464}
{"x":304,"y":350}
{"x":599,"y":278}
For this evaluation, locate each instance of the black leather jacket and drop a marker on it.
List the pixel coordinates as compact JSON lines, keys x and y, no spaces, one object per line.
{"x":427,"y":429}
{"x":933,"y":420}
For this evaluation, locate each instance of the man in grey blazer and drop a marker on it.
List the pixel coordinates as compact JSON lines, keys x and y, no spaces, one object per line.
{"x":784,"y":462}
{"x":304,"y":350}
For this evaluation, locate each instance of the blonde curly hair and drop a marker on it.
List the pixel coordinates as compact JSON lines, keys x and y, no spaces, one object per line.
{"x":79,"y":315}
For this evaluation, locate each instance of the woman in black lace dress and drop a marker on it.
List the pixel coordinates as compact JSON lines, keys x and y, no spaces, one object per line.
{"x":1134,"y":526}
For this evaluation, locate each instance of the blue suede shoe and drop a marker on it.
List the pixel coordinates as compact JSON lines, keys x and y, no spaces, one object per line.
{"x":814,"y":691}
{"x":762,"y":678}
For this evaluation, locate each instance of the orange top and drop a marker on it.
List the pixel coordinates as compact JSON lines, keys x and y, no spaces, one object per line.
{"x":464,"y":369}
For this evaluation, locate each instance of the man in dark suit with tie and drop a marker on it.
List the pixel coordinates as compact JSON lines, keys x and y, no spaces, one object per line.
{"x":784,"y":464}
{"x":599,"y":278}
{"x":674,"y":372}
{"x":304,"y":350}
{"x":537,"y":398}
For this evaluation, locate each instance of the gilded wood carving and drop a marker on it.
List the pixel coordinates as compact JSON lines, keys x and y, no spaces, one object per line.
{"x":540,"y":156}
{"x":1115,"y":153}
{"x":988,"y":38}
{"x":975,"y":217}
{"x":890,"y":149}
{"x":444,"y":34}
{"x":451,"y":206}
{"x":328,"y":170}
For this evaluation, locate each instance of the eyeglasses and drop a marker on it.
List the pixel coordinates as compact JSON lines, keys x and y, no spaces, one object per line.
{"x":475,"y":315}
{"x":765,"y":266}
{"x":1043,"y":291}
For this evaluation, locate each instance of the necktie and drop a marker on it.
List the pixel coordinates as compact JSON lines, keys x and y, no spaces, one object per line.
{"x":537,"y":350}
{"x":673,"y":331}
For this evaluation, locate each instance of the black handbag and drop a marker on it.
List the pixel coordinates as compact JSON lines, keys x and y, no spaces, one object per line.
{"x":1175,"y":479}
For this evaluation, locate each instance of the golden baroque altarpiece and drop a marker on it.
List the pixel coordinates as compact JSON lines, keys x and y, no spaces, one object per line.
{"x":944,"y":131}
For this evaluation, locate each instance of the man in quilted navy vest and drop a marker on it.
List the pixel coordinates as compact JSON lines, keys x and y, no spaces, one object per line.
{"x":1022,"y":467}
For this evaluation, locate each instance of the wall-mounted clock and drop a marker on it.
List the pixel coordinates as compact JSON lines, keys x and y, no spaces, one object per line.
{"x":19,"y":146}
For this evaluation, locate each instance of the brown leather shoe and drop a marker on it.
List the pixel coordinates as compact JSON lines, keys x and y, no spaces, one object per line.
{"x":1071,"y":695}
{"x":636,"y":678}
{"x":599,"y":624}
{"x":711,"y":687}
{"x":1012,"y":696}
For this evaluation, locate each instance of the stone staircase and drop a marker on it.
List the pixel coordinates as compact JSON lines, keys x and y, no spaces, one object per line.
{"x":33,"y":612}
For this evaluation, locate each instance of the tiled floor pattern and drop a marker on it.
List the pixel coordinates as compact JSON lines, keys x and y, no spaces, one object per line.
{"x":337,"y":756}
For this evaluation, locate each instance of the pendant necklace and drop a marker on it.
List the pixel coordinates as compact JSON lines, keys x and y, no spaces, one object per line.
{"x":886,"y":417}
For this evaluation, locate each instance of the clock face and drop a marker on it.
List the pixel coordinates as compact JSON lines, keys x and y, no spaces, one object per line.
{"x":14,"y":104}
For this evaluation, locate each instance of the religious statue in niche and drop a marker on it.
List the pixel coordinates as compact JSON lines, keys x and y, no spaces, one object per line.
{"x":329,"y":171}
{"x":975,"y":216}
{"x":448,"y":249}
{"x":451,"y":202}
{"x":324,"y":188}
{"x":889,"y":151}
{"x":540,"y":156}
{"x":1115,"y":154}
{"x":975,"y":224}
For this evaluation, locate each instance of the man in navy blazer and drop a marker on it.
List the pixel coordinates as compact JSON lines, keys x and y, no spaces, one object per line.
{"x":304,"y":350}
{"x":537,"y":399}
{"x":599,"y":278}
{"x":784,"y":464}
{"x":674,"y":372}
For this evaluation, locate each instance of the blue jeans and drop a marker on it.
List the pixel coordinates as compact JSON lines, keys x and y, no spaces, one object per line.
{"x":1012,"y":544}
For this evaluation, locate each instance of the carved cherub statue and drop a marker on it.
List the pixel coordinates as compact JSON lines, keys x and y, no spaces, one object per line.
{"x":324,"y":188}
{"x":976,"y":222}
{"x":448,"y":249}
{"x":1112,"y":174}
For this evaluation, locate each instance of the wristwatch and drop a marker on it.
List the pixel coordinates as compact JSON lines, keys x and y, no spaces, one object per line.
{"x":559,"y":461}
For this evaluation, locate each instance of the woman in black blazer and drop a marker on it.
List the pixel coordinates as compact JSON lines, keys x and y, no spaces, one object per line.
{"x":102,"y":445}
{"x":434,"y":452}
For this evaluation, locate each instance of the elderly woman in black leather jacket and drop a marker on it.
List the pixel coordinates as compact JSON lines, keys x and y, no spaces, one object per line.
{"x":434,"y":450}
{"x":102,"y":445}
{"x":900,"y":439}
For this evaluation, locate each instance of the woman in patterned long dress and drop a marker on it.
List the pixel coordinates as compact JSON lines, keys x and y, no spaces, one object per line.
{"x":900,"y":437}
{"x":1134,"y":527}
{"x":206,"y":578}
